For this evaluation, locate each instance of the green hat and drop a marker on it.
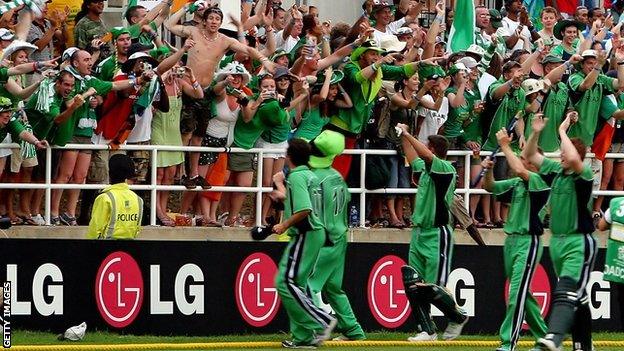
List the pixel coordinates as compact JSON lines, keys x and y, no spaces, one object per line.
{"x":325,"y":147}
{"x":367,"y":45}
{"x":562,"y":25}
{"x":336,"y":77}
{"x":551,"y":59}
{"x":160,"y":52}
{"x":277,"y":54}
{"x":496,"y":19}
{"x":5,"y":104}
{"x":427,"y":71}
{"x":458,"y":66}
{"x":117,"y":31}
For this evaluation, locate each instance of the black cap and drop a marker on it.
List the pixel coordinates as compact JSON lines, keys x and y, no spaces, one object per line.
{"x":261,"y":233}
{"x":120,"y":168}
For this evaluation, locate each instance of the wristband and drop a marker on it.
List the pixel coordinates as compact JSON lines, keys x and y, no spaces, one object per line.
{"x":326,"y":37}
{"x":374,"y":67}
{"x":620,"y":63}
{"x":597,"y":69}
{"x":264,"y":59}
{"x":133,"y":81}
{"x":568,"y":64}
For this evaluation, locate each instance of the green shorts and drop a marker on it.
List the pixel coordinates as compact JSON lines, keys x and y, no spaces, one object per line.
{"x":573,"y":256}
{"x":430,"y":253}
{"x":242,"y":162}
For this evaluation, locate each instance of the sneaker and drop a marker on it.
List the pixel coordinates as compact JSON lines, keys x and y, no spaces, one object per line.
{"x":453,"y":330}
{"x":68,"y":220}
{"x":38,"y":219}
{"x":596,"y":216}
{"x":222,"y":217}
{"x":423,"y":336}
{"x":189,"y":183}
{"x":547,"y":345}
{"x":55,"y":220}
{"x":202,"y":182}
{"x":294,"y":345}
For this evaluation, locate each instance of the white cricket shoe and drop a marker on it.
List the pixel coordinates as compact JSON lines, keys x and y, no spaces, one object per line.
{"x":453,"y":330}
{"x":423,"y":336}
{"x":547,"y":345}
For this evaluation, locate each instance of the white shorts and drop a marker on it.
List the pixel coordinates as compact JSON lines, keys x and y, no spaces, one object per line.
{"x":261,"y":144}
{"x":6,"y":151}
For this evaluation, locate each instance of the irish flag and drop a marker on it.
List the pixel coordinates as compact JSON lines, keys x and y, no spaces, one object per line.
{"x":462,"y":33}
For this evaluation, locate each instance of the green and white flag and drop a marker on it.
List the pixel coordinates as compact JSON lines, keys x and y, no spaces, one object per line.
{"x":462,"y":33}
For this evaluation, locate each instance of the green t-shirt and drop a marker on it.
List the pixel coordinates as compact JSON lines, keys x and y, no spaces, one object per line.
{"x":335,"y":208}
{"x":510,"y":105}
{"x":42,"y":122}
{"x":311,"y":124}
{"x":269,"y":114}
{"x":280,"y":132}
{"x":570,"y":198}
{"x":435,"y":193}
{"x":106,"y":69}
{"x":65,"y":130}
{"x":453,"y":127}
{"x":15,"y":127}
{"x":555,"y":106}
{"x":4,"y":74}
{"x":559,"y":50}
{"x":473,"y":129}
{"x":303,"y":193}
{"x":588,"y":105}
{"x":142,"y":37}
{"x":527,"y":199}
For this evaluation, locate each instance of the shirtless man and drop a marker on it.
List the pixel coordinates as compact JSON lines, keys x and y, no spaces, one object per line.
{"x":203,"y":59}
{"x":210,"y":45}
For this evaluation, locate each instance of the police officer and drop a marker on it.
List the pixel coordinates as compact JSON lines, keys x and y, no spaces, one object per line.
{"x":117,"y":211}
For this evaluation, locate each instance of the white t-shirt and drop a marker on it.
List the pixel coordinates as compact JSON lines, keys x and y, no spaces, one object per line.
{"x":287,"y":44}
{"x":508,"y":29}
{"x":391,"y":29}
{"x":142,"y":130}
{"x":433,"y":120}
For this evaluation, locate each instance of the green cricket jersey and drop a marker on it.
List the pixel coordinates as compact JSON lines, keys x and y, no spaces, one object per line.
{"x":435,"y":193}
{"x":555,"y":106}
{"x":335,"y":199}
{"x":526,"y":200}
{"x":510,"y":105}
{"x":303,"y":192}
{"x":107,"y":68}
{"x":570,"y":198}
{"x":589,"y":104}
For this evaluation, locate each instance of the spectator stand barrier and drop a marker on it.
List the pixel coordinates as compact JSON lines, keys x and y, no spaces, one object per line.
{"x":258,"y":189}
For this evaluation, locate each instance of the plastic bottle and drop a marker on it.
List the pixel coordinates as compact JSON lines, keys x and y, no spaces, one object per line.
{"x":353,"y":217}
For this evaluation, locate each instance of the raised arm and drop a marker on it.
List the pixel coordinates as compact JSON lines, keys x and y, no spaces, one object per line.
{"x":171,"y":60}
{"x":253,"y":53}
{"x":172,"y":24}
{"x":530,"y":150}
{"x":504,"y":140}
{"x":572,"y":156}
{"x":556,"y":74}
{"x":192,"y":89}
{"x":421,"y":149}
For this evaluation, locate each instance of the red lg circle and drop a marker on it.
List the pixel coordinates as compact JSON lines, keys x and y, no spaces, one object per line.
{"x":386,"y":294}
{"x":255,"y":293}
{"x":540,"y":288}
{"x":119,"y":289}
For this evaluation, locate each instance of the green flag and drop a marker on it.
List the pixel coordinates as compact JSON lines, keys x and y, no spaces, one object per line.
{"x":462,"y":33}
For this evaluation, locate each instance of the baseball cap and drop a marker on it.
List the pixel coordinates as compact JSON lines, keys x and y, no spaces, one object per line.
{"x":496,"y":19}
{"x":69,"y":52}
{"x":367,"y":45}
{"x":589,"y":53}
{"x":468,"y":61}
{"x":531,"y":86}
{"x":404,"y":31}
{"x":391,"y":43}
{"x":5,"y":104}
{"x":6,"y":34}
{"x":458,"y":66}
{"x":551,"y":59}
{"x":379,"y":5}
{"x":325,"y":147}
{"x":511,"y":64}
{"x":440,"y":40}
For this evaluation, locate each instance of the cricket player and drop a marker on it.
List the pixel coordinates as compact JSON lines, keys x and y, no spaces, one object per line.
{"x":527,"y":195}
{"x":431,"y":245}
{"x":309,"y":325}
{"x":329,"y":270}
{"x":572,"y":247}
{"x":614,"y":264}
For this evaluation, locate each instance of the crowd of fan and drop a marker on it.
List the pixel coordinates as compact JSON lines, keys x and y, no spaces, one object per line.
{"x":286,"y":73}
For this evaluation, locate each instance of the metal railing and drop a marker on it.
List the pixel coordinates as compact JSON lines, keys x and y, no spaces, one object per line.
{"x":258,"y":189}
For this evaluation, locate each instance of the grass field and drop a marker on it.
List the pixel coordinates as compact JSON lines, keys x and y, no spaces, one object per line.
{"x":23,"y":338}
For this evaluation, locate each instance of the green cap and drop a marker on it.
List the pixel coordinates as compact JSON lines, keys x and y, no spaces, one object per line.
{"x":367,"y":45}
{"x":277,"y":54}
{"x":427,"y":71}
{"x":117,"y":31}
{"x":496,"y":19}
{"x":551,"y":59}
{"x":325,"y":147}
{"x":5,"y":104}
{"x":336,"y":77}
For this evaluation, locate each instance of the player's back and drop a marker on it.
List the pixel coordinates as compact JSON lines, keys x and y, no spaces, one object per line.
{"x":335,"y":199}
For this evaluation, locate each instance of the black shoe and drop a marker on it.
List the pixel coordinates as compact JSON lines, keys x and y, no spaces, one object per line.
{"x":189,"y":183}
{"x":295,"y":345}
{"x":201,"y":181}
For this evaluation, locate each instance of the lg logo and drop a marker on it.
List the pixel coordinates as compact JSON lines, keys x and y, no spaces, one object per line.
{"x":256,"y":296}
{"x":386,"y":294}
{"x":119,"y":289}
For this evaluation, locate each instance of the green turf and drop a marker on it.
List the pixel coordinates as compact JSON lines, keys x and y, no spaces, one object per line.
{"x":95,"y":337}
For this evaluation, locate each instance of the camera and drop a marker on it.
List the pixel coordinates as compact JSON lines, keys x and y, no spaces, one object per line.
{"x":147,"y":67}
{"x":179,"y":72}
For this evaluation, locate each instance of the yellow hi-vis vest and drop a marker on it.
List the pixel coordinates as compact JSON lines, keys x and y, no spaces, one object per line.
{"x":116,"y":214}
